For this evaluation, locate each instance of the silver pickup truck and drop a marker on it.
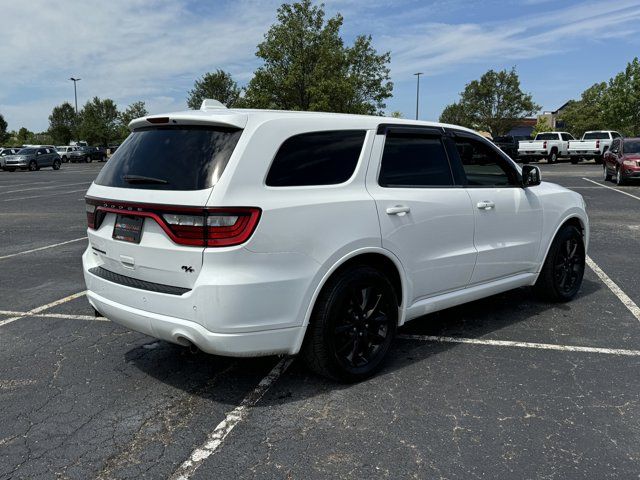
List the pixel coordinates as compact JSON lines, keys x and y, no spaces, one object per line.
{"x":548,"y":145}
{"x":593,"y":145}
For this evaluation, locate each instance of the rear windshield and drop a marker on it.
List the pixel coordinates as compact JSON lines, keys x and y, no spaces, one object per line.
{"x":632,"y":147}
{"x":547,"y":136}
{"x":170,"y":158}
{"x":596,"y":136}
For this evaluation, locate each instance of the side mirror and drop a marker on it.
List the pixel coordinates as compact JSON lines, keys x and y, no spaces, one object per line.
{"x":531,"y":176}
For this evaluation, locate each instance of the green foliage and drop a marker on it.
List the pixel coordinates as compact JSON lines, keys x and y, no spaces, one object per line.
{"x":42,"y":138}
{"x":614,"y":105}
{"x":218,"y":85}
{"x":397,"y":114}
{"x":99,"y":121}
{"x":308,"y":67}
{"x":455,"y":114}
{"x":23,"y":136}
{"x":62,"y":124}
{"x":588,"y":112}
{"x":622,"y":107}
{"x":542,"y":125}
{"x":133,"y":111}
{"x":494,"y":103}
{"x":3,"y":129}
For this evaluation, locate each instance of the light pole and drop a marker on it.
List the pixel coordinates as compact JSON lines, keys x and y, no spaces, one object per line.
{"x":75,"y":92}
{"x":418,"y":93}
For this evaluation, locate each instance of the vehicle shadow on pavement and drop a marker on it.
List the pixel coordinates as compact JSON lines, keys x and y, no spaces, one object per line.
{"x":223,"y":379}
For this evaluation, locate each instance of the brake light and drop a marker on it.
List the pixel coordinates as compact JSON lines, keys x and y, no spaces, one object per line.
{"x":201,"y":227}
{"x":597,"y":144}
{"x":544,"y":145}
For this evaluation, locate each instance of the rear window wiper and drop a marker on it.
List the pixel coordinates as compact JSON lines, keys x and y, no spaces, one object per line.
{"x":142,"y":179}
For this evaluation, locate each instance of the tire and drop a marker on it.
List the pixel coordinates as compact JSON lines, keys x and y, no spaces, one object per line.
{"x":563,"y":269}
{"x":619,"y":177}
{"x":553,"y":158}
{"x":56,"y":164}
{"x":606,"y":176}
{"x":574,"y":160}
{"x":9,"y":169}
{"x":33,"y":166}
{"x":599,"y":160}
{"x":88,"y":159}
{"x":352,"y":327}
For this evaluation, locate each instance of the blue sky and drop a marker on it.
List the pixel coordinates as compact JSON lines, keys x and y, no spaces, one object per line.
{"x":152,"y":50}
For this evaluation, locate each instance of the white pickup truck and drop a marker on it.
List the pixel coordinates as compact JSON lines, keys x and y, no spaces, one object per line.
{"x":549,"y":145}
{"x":593,"y":145}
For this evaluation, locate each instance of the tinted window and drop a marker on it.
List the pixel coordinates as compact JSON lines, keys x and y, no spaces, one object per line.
{"x":318,"y":158}
{"x":632,"y":146}
{"x":506,"y":139}
{"x":566,"y":136}
{"x":595,"y":136}
{"x":615,"y":146}
{"x":170,"y":158}
{"x":547,"y":136}
{"x":615,"y":135}
{"x":414,"y":161}
{"x":482,"y":165}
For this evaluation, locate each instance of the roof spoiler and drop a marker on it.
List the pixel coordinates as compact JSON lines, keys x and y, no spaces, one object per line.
{"x":212,"y":104}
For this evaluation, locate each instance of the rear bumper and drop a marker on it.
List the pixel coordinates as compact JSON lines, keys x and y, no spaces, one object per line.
{"x":183,"y":332}
{"x":530,"y":154}
{"x":242,"y":304}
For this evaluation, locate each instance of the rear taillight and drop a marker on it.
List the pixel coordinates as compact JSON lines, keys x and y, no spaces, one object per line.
{"x":202,"y":227}
{"x":544,"y":145}
{"x":597,"y":144}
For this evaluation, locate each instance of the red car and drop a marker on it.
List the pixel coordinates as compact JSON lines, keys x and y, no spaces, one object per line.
{"x":622,"y":160}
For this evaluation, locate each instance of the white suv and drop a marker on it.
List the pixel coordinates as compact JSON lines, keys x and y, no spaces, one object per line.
{"x":248,"y":232}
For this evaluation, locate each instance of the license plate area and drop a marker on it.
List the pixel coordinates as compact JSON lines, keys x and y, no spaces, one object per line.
{"x":128,"y":228}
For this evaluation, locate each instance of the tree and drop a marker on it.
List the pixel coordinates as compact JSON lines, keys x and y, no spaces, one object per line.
{"x":99,"y":121}
{"x":494,"y":103}
{"x":62,"y":123}
{"x":3,"y":128}
{"x":306,"y":66}
{"x":586,"y":113}
{"x":455,"y":115}
{"x":397,"y":114}
{"x":218,"y":85}
{"x":542,"y":125}
{"x":133,"y":111}
{"x":23,"y":135}
{"x":622,"y":100}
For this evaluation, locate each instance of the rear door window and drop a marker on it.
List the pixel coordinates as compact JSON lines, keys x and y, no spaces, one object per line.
{"x":483,"y":165}
{"x":316,"y":158}
{"x":414,"y":160}
{"x":170,"y":158}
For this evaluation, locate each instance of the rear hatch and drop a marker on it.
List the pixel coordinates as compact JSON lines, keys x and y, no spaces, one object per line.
{"x":145,"y":209}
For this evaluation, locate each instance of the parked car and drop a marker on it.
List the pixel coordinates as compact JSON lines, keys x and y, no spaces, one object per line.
{"x":93,"y":153}
{"x":250,"y":233}
{"x":547,"y":145}
{"x":112,"y":148}
{"x":33,"y":159}
{"x":622,"y":160}
{"x":69,"y":153}
{"x":5,"y":152}
{"x":509,"y":144}
{"x":592,"y":146}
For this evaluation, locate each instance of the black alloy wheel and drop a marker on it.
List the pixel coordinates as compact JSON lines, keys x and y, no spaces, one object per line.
{"x":353,"y":325}
{"x":33,"y":166}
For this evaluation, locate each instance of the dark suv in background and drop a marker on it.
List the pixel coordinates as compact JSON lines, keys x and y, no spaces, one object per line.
{"x":509,"y":144}
{"x":90,"y":154}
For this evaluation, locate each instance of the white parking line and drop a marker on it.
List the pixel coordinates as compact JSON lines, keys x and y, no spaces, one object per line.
{"x":42,"y":248}
{"x":22,"y":184}
{"x":54,"y":315}
{"x":617,"y":291}
{"x":235,"y":416}
{"x":611,"y":188}
{"x":48,"y":195}
{"x":508,"y":343}
{"x":43,"y":188}
{"x":43,"y":307}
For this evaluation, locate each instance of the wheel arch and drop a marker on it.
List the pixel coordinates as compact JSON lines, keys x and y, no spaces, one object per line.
{"x":377,"y":257}
{"x":574,"y":219}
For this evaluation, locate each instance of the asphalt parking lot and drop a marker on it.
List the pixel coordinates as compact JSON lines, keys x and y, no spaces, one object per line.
{"x":506,"y":387}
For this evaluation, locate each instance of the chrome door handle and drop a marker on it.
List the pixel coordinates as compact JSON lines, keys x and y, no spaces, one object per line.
{"x":486,"y":205}
{"x":399,"y":210}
